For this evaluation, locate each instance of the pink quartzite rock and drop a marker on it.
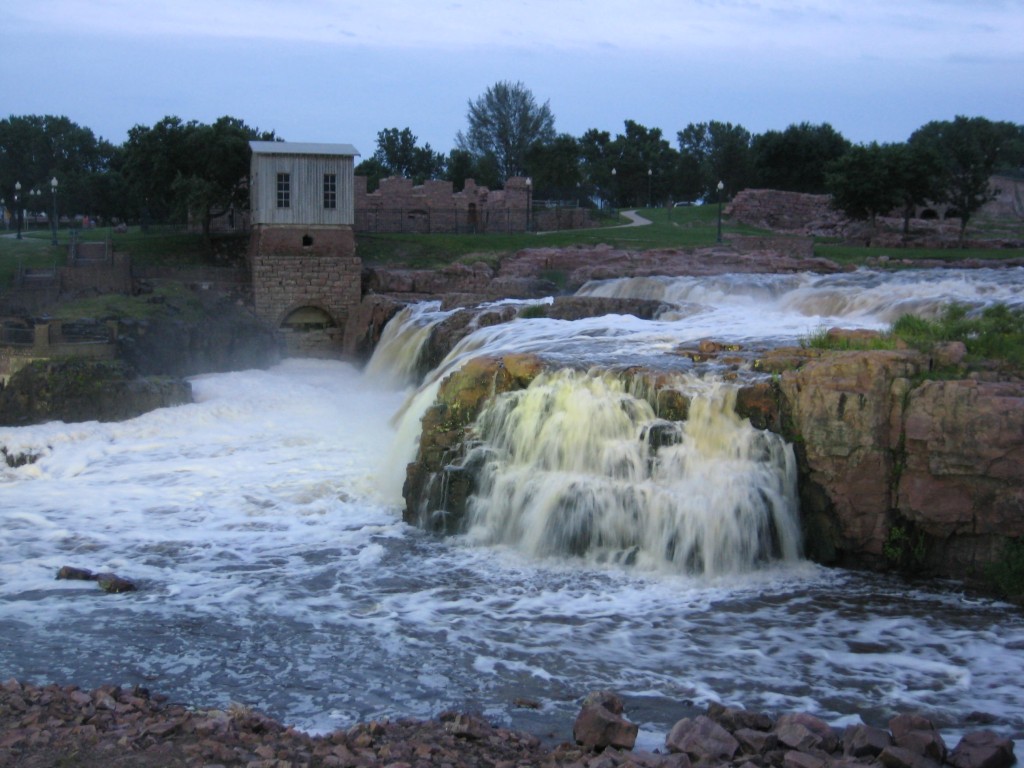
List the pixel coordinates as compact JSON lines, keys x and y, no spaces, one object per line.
{"x":982,"y":749}
{"x":702,"y":739}
{"x":597,"y":728}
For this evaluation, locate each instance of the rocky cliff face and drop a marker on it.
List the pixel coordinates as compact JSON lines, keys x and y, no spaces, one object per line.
{"x":76,"y":389}
{"x":896,"y":470}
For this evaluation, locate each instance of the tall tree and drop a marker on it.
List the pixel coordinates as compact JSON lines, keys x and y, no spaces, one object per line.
{"x":36,"y":148}
{"x":397,"y":154}
{"x":178,"y":169}
{"x":596,"y":163}
{"x":795,"y":159}
{"x":644,"y":164}
{"x":503,"y":124}
{"x":968,"y":149}
{"x":862,"y":182}
{"x":555,"y":169}
{"x":721,"y":152}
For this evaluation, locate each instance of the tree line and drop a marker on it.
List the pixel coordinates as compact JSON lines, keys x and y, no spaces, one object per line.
{"x":173,"y":169}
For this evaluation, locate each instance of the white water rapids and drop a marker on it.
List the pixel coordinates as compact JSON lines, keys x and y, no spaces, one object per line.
{"x":263,"y":526}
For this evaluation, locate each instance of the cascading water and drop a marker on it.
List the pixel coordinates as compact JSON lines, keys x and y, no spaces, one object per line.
{"x":576,"y":465}
{"x":397,"y":354}
{"x":274,"y":569}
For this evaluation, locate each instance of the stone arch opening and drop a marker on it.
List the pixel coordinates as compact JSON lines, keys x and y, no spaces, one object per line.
{"x":307,"y":241}
{"x":929,"y":214}
{"x":308,"y":319}
{"x":951,"y":213}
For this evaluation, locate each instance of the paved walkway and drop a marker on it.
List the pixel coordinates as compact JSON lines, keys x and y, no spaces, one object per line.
{"x":635,"y":220}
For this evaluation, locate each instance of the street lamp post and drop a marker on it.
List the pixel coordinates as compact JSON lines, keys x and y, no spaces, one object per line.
{"x":720,"y":187}
{"x":650,"y":173}
{"x":529,"y":201}
{"x":53,"y":221}
{"x":612,"y":201}
{"x":17,"y":205}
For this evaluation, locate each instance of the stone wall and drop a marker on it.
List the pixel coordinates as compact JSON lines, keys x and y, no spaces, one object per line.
{"x":294,"y":267}
{"x":784,"y":211}
{"x":399,"y":206}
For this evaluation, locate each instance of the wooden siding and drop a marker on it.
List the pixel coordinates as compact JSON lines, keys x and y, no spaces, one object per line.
{"x":306,"y":174}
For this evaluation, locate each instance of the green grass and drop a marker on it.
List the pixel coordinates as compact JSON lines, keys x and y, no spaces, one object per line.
{"x":168,"y":299}
{"x":996,"y":334}
{"x":853,"y":255}
{"x":689,"y":227}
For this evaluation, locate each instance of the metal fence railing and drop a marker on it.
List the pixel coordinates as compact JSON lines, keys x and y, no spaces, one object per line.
{"x":455,"y":220}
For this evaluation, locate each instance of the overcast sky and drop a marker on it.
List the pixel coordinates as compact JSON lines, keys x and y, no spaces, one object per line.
{"x":342,"y":70}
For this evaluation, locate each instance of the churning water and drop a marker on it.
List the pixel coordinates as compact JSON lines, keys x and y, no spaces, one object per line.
{"x":263,"y":526}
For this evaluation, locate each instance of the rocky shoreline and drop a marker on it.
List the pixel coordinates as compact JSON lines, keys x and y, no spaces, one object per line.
{"x":111,"y":726}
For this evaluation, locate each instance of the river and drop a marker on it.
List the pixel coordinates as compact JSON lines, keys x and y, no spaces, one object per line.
{"x":263,"y":526}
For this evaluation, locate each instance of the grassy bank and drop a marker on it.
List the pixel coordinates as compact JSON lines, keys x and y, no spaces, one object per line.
{"x":689,"y":227}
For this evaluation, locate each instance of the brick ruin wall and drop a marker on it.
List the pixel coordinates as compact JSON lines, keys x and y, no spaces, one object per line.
{"x":295,"y":267}
{"x":399,"y":206}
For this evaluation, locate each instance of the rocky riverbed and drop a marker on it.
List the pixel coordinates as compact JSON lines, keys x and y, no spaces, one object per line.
{"x":111,"y":726}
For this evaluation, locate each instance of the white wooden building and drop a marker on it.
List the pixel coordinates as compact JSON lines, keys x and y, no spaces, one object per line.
{"x":297,"y":184}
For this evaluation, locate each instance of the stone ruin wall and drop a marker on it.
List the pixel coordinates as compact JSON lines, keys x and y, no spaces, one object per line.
{"x":806,"y":214}
{"x":399,"y":206}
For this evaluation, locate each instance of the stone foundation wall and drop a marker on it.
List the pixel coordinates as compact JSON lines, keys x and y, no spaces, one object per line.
{"x":296,"y":267}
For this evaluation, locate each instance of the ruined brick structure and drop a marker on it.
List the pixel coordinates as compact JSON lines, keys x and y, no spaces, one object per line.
{"x":399,"y":206}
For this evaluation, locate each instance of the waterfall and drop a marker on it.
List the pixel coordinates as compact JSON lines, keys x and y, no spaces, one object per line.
{"x":575,"y":465}
{"x":398,"y":352}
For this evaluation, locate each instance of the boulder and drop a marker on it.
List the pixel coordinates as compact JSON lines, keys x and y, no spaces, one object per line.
{"x":917,"y":734}
{"x":805,"y":732}
{"x":598,"y":727}
{"x":702,"y":739}
{"x":982,"y":749}
{"x":864,"y":741}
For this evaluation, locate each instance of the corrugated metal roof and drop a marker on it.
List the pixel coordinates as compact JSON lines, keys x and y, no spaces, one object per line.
{"x":301,"y":148}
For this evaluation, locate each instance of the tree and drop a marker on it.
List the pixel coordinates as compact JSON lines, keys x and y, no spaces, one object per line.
{"x":503,"y":124}
{"x":644,"y":165}
{"x":555,"y":169}
{"x":596,"y":163}
{"x":721,"y":152}
{"x":795,"y":159}
{"x":862,"y":182}
{"x":178,"y":169}
{"x":398,"y":155}
{"x":968,"y":150}
{"x":37,"y":148}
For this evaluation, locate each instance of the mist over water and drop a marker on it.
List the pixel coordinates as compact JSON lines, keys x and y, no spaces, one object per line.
{"x":263,"y":526}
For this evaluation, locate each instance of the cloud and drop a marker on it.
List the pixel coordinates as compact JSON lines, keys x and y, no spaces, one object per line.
{"x":880,"y":27}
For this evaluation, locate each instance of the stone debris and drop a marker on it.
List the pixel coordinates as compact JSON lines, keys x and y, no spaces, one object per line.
{"x":115,"y":726}
{"x":108,"y":582}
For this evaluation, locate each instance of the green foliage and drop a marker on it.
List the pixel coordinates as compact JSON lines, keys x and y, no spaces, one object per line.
{"x":968,"y":151}
{"x":36,"y":148}
{"x":1007,"y":574}
{"x":821,"y":339}
{"x":861,"y":182}
{"x":533,"y":311}
{"x":905,"y":548}
{"x":397,"y":154}
{"x":719,"y":152}
{"x":503,"y":124}
{"x":174,"y":169}
{"x":795,"y":159}
{"x":997,"y":333}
